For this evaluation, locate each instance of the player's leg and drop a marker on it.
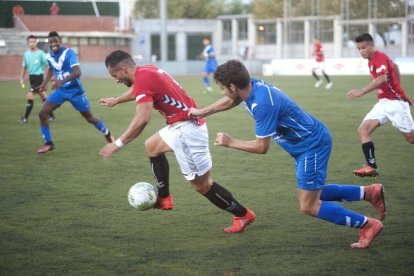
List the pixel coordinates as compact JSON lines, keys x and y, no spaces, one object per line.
{"x":156,"y":149}
{"x":43,"y":97}
{"x":223,"y":199}
{"x":400,"y":116}
{"x":206,"y":79}
{"x":328,"y":80}
{"x":29,"y":106}
{"x":44,"y":114}
{"x":373,"y":193}
{"x":364,"y":131}
{"x":81,"y":104}
{"x":316,"y":76}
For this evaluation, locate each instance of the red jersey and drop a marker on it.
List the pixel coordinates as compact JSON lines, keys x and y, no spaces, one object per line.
{"x":155,"y":85}
{"x":318,"y":52}
{"x":381,"y":64}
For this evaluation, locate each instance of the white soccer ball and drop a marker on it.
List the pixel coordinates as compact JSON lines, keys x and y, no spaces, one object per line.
{"x":142,"y":196}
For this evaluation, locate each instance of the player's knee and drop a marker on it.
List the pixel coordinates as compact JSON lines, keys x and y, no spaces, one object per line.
{"x":43,"y":115}
{"x":309,"y":210}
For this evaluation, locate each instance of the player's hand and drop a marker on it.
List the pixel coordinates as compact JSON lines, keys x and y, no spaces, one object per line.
{"x":222,"y":139}
{"x":108,"y":150}
{"x":109,"y":102}
{"x":354,"y":93}
{"x":56,"y":84}
{"x":41,"y":88}
{"x":195,"y":112}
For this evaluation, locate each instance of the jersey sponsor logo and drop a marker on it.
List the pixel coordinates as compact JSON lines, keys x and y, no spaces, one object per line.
{"x":382,"y":67}
{"x":173,"y":102}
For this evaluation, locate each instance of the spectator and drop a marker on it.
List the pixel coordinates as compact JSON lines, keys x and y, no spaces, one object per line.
{"x":54,"y":9}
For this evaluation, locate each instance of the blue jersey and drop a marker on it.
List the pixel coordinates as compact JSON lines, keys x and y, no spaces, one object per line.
{"x":277,"y":116}
{"x":210,"y":60}
{"x":61,"y":63}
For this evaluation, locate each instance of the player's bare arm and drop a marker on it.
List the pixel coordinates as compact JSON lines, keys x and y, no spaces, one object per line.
{"x":221,"y":105}
{"x":259,"y":146}
{"x":397,"y":71}
{"x":141,"y":118}
{"x":371,"y":86}
{"x":110,"y":102}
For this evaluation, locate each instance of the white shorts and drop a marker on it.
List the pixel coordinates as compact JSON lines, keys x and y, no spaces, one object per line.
{"x":318,"y":67}
{"x":189,"y":142}
{"x":395,"y":111}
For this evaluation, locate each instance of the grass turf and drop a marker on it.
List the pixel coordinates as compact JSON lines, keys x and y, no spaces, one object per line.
{"x":66,"y":212}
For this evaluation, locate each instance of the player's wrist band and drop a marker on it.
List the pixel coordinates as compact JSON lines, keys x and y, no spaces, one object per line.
{"x":119,"y":143}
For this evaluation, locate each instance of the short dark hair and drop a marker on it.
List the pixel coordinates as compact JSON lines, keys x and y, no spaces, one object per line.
{"x":232,"y":72}
{"x":364,"y":38}
{"x":117,"y":57}
{"x":53,"y":34}
{"x":31,"y":37}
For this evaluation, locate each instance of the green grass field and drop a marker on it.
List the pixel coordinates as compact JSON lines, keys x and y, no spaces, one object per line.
{"x":66,"y":212}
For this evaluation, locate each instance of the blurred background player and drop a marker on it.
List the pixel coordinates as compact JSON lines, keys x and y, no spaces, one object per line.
{"x":210,"y":66}
{"x":392,"y":106}
{"x":153,"y":88}
{"x":34,"y":61}
{"x":64,"y":66}
{"x":305,"y":138}
{"x":319,"y":64}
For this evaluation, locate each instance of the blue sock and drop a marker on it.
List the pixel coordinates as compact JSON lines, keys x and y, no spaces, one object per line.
{"x":206,"y":82}
{"x":337,"y":214}
{"x":101,"y":127}
{"x":334,"y":192}
{"x":47,"y":137}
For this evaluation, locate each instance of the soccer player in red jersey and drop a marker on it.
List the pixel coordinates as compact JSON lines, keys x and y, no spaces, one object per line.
{"x":392,"y":106}
{"x":153,"y":88}
{"x":319,"y":65}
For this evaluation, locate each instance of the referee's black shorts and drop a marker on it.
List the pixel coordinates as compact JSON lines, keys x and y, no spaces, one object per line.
{"x":35,"y":81}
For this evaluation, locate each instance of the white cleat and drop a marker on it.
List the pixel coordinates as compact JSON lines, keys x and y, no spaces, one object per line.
{"x":318,"y":83}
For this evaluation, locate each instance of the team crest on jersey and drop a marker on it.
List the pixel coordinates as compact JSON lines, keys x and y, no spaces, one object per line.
{"x":170,"y":101}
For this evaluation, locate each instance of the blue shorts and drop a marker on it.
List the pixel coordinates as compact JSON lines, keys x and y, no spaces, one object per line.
{"x":77,"y":98}
{"x":311,"y":167}
{"x":210,"y":67}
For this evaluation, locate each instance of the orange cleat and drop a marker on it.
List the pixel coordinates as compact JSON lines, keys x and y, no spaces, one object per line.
{"x":164,"y":203}
{"x":239,"y":223}
{"x":375,"y":194}
{"x":46,"y":148}
{"x":366,"y":171}
{"x":368,"y":233}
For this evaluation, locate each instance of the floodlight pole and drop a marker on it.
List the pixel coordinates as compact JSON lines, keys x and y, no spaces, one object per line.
{"x":163,"y":31}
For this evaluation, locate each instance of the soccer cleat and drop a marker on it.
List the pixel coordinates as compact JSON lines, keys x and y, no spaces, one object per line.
{"x":209,"y":89}
{"x":239,"y":223}
{"x":51,"y":118}
{"x":329,"y":85}
{"x":164,"y":203}
{"x":109,"y":138}
{"x":368,"y":233}
{"x":23,"y":120}
{"x":375,"y":194}
{"x":318,"y":83}
{"x":46,"y":148}
{"x":366,"y":171}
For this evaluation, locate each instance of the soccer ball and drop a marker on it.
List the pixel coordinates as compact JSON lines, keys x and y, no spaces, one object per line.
{"x":142,"y":196}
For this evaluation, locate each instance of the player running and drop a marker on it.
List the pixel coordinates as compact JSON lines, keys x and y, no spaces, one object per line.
{"x":305,"y":138}
{"x":210,"y":66}
{"x":319,"y":65}
{"x":152,"y":88}
{"x":64,"y":65}
{"x":392,"y":106}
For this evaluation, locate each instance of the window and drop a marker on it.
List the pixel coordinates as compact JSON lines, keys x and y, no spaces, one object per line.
{"x":242,"y":29}
{"x":195,"y":46}
{"x":266,"y":34}
{"x":226,"y":30}
{"x":156,"y":47}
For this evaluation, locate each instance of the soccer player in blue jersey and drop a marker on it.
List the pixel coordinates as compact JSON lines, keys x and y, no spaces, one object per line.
{"x":64,"y":66}
{"x":210,"y":66}
{"x":305,"y":138}
{"x":34,"y":62}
